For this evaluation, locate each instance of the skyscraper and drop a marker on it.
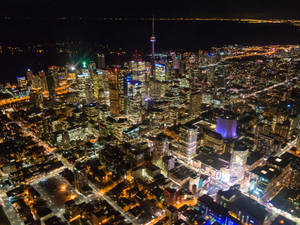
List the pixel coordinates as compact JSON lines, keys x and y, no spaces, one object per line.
{"x":100,"y":61}
{"x":84,"y":87}
{"x":51,"y":84}
{"x":238,"y":161}
{"x":29,"y":74}
{"x":22,"y":82}
{"x":113,"y":92}
{"x":80,"y":175}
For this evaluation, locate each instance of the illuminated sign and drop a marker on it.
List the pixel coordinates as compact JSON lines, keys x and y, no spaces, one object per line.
{"x":83,"y":75}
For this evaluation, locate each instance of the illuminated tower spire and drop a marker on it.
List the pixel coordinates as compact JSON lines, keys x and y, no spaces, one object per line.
{"x":152,"y":40}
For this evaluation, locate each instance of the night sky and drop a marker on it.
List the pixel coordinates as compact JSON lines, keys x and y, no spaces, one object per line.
{"x":162,"y":8}
{"x":35,"y":21}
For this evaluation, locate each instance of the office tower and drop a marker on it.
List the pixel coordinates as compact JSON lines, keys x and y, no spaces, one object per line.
{"x":80,"y":176}
{"x":238,"y":161}
{"x":161,"y":148}
{"x":160,"y":72}
{"x":43,"y":80}
{"x":138,"y":70}
{"x":175,"y":61}
{"x":71,"y":72}
{"x":100,"y":61}
{"x":36,"y":98}
{"x":121,"y":88}
{"x":36,"y":82}
{"x":155,"y":89}
{"x":96,"y":79}
{"x":61,"y":76}
{"x":188,"y":141}
{"x":51,"y":85}
{"x":22,"y":82}
{"x":134,"y":100}
{"x":92,"y":66}
{"x":91,"y":111}
{"x":83,"y":85}
{"x":195,"y":102}
{"x":114,"y":102}
{"x":195,"y":96}
{"x":53,"y":72}
{"x":29,"y":74}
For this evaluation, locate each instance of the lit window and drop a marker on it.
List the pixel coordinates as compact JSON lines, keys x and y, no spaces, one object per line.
{"x":264,"y":172}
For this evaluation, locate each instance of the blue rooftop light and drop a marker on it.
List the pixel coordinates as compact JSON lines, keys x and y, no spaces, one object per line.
{"x":128,"y":78}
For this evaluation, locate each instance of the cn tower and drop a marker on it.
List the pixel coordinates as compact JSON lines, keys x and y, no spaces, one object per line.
{"x":152,"y":40}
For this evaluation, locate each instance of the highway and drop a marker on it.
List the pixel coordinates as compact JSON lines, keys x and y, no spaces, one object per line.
{"x":288,"y":147}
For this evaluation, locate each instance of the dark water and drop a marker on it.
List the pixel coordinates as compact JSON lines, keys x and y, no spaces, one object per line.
{"x":132,"y":35}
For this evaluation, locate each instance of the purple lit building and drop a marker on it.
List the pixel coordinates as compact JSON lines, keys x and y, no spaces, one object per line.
{"x":226,"y":126}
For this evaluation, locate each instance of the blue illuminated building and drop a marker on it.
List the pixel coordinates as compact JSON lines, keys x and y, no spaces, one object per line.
{"x":247,"y":210}
{"x":213,"y":212}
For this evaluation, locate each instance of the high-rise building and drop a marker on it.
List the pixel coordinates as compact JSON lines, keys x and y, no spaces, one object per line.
{"x":53,"y":72}
{"x":83,"y":84}
{"x":22,"y":82}
{"x":43,"y":81}
{"x":188,"y":140}
{"x":80,"y":176}
{"x":36,"y":82}
{"x":97,"y":83}
{"x":36,"y":98}
{"x":51,"y":85}
{"x":114,"y":92}
{"x":175,"y":61}
{"x":29,"y":74}
{"x":238,"y":161}
{"x":100,"y":61}
{"x":160,"y":72}
{"x":195,"y":102}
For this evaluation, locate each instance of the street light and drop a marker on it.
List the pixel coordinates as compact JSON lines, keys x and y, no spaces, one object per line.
{"x":63,"y":187}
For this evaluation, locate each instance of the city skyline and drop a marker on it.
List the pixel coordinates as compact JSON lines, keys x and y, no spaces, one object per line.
{"x":149,"y":120}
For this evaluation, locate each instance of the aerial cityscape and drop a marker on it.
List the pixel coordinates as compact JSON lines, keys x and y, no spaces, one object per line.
{"x":110,"y":136}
